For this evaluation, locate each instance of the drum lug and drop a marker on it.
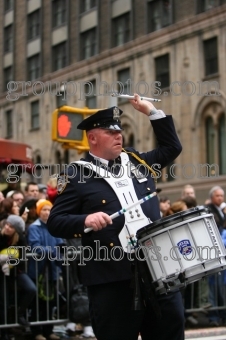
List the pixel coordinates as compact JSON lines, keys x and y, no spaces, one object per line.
{"x":178,"y":282}
{"x":182,"y":277}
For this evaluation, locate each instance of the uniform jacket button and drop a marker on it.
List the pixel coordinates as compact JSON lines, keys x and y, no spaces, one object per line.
{"x":75,"y":235}
{"x":79,"y":235}
{"x":111,"y":244}
{"x":103,"y":201}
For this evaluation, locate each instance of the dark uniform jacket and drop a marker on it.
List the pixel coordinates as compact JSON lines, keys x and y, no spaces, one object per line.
{"x":77,"y":200}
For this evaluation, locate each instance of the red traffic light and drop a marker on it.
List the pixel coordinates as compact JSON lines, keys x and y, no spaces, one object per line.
{"x":63,"y":125}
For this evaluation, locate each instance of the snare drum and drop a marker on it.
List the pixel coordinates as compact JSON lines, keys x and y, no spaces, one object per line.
{"x":182,"y":248}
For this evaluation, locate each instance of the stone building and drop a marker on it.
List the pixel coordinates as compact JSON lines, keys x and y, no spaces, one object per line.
{"x":172,"y":50}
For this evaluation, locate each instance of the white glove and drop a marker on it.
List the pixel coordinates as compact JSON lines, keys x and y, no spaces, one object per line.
{"x":5,"y":269}
{"x":4,"y":258}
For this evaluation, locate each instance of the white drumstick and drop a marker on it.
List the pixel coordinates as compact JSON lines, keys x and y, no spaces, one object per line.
{"x":123,"y":210}
{"x":132,"y":97}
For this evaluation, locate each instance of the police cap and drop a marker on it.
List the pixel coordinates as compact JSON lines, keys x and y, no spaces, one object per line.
{"x":105,"y":119}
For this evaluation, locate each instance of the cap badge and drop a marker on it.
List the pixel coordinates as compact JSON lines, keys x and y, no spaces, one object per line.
{"x":116,"y":113}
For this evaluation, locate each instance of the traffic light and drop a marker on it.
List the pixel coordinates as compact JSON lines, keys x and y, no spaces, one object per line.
{"x":64,"y":126}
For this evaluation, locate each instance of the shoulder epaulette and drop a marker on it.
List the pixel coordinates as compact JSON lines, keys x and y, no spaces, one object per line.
{"x":142,"y":162}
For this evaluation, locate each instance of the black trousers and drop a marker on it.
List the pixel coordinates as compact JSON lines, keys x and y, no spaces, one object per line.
{"x":113,"y":318}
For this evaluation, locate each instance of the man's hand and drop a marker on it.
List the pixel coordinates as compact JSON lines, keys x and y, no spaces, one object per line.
{"x":5,"y":269}
{"x":97,"y":221}
{"x":143,"y":106}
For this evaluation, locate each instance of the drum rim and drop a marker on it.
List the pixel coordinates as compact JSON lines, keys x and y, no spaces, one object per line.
{"x":159,"y":224}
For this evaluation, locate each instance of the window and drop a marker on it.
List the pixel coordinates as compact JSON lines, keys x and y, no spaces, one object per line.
{"x":123,"y":84}
{"x":33,"y":25}
{"x":128,"y":136}
{"x":169,"y":175}
{"x":162,"y":70}
{"x":205,"y":5}
{"x":121,"y":30}
{"x":210,"y":140}
{"x":9,"y":124}
{"x":214,"y":138}
{"x":91,"y":99}
{"x":8,"y":5}
{"x":59,"y":56}
{"x":222,"y":143}
{"x":58,"y":13}
{"x":86,"y":5}
{"x":159,"y":14}
{"x":8,"y":39}
{"x":35,"y":115}
{"x":211,"y":56}
{"x":8,"y":76}
{"x":58,"y":157}
{"x":88,"y":44}
{"x":66,"y":156}
{"x":33,"y":67}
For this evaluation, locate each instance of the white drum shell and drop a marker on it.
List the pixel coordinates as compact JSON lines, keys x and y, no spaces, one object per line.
{"x":198,"y":235}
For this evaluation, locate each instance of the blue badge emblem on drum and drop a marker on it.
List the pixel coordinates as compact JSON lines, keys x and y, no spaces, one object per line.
{"x":185,"y":247}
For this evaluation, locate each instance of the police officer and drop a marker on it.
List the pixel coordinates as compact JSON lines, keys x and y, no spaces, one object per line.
{"x":86,"y":199}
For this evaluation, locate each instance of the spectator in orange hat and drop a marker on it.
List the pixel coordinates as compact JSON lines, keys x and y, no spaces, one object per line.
{"x":47,"y":245}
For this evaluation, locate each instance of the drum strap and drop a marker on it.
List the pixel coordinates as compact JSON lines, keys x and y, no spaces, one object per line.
{"x":146,"y":287}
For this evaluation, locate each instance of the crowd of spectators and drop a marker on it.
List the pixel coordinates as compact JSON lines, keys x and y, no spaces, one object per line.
{"x":31,"y":207}
{"x":23,"y":216}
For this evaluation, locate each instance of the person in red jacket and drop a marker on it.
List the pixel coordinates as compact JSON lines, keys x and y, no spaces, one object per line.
{"x":52,"y":189}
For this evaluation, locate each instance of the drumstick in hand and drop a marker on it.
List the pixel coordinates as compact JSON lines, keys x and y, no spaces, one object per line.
{"x":123,"y":210}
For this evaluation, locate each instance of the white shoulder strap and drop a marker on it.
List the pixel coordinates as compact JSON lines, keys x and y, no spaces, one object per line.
{"x":123,"y":187}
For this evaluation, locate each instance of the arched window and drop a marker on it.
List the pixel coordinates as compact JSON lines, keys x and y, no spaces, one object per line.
{"x":128,"y":140}
{"x":222,"y":144}
{"x":215,"y":139}
{"x":169,"y":173}
{"x":210,"y":140}
{"x":128,"y":136}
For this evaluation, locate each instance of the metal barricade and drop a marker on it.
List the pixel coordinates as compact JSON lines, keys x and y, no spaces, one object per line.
{"x":207,"y":297}
{"x":57,"y":312}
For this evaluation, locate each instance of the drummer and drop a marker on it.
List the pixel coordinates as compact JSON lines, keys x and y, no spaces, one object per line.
{"x":86,"y":199}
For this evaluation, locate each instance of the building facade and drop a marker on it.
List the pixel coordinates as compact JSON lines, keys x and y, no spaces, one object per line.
{"x":172,"y":50}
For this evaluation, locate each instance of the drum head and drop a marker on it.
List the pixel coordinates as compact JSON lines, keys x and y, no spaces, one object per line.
{"x":171,"y":220}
